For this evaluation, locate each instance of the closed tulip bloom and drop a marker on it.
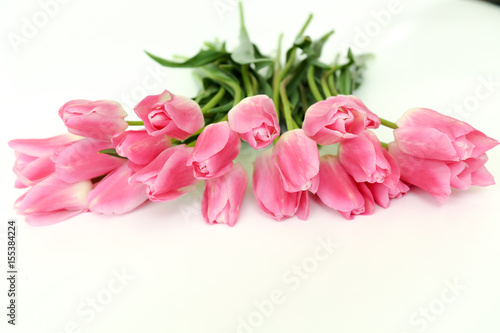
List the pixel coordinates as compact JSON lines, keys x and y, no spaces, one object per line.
{"x":115,"y":195}
{"x":337,"y":118}
{"x":176,"y":116}
{"x":338,"y":190}
{"x":255,"y":120}
{"x":429,"y":134}
{"x":98,"y":120}
{"x":168,"y":177}
{"x":139,"y":147}
{"x":366,"y":160}
{"x":383,"y":194}
{"x":437,"y":176}
{"x":297,"y":159}
{"x":33,"y":158}
{"x":214,"y":152}
{"x":53,"y":200}
{"x":223,"y":196}
{"x":270,"y":194}
{"x":81,"y":161}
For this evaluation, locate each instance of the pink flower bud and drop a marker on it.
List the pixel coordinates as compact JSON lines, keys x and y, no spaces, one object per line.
{"x":256,"y":121}
{"x":297,"y":159}
{"x":139,"y":147}
{"x":270,"y":194}
{"x":337,"y":118}
{"x":98,"y":120}
{"x":115,"y":195}
{"x":436,"y":152}
{"x":33,"y":158}
{"x":81,"y":161}
{"x":429,"y":134}
{"x":437,"y":176}
{"x":339,"y":191}
{"x":53,"y":200}
{"x":214,"y":152}
{"x":366,"y":161}
{"x":223,"y":196}
{"x":168,"y":177}
{"x":176,"y":116}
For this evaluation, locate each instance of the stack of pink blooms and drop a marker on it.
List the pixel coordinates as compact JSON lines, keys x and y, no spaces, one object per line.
{"x":68,"y":175}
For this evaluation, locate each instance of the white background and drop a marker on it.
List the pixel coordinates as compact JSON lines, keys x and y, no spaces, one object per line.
{"x":191,"y":277}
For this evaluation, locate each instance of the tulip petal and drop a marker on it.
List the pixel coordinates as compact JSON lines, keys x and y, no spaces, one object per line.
{"x":45,"y":219}
{"x":140,"y":147}
{"x":432,"y":176}
{"x":427,"y":143}
{"x":81,"y":161}
{"x":52,"y":194}
{"x":427,"y":118}
{"x":337,"y":189}
{"x":105,"y":198}
{"x":481,"y":143}
{"x":297,"y":159}
{"x":269,"y":192}
{"x":41,"y":147}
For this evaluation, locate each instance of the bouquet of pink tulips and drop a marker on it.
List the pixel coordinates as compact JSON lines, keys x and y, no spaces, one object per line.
{"x":286,"y":110}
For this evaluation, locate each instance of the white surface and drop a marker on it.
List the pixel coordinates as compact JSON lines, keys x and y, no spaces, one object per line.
{"x":191,"y":277}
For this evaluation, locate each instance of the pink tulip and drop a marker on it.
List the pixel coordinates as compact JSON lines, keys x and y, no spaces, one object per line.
{"x":337,"y":118}
{"x":270,"y":193}
{"x":53,"y":200}
{"x":338,"y":190}
{"x":98,"y":120}
{"x":33,"y":158}
{"x":256,"y":121}
{"x":214,"y":152}
{"x":168,"y":177}
{"x":297,"y":159}
{"x":366,"y":161}
{"x":428,"y":134}
{"x":176,"y":116}
{"x":437,"y":176}
{"x":139,"y":147}
{"x":81,"y":161}
{"x":382,"y":194}
{"x":115,"y":195}
{"x":223,"y":196}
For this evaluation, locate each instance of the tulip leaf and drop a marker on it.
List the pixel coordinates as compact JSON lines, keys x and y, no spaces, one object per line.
{"x":110,"y":152}
{"x":313,"y":51}
{"x":222,"y":108}
{"x":224,"y":78}
{"x":246,"y":52}
{"x":208,"y":92}
{"x":345,"y":81}
{"x":203,"y":57}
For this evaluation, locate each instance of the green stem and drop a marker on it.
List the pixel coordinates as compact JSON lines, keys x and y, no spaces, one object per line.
{"x":286,"y":104}
{"x":331,"y":83}
{"x":276,"y":78}
{"x":246,"y":80}
{"x":237,"y":94}
{"x":135,"y":122}
{"x":312,"y":84}
{"x":388,"y":123}
{"x":385,"y":145}
{"x":255,"y":83}
{"x":303,"y":98}
{"x":324,"y":85}
{"x":301,"y":32}
{"x":214,"y":101}
{"x":229,"y":82}
{"x":242,"y":18}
